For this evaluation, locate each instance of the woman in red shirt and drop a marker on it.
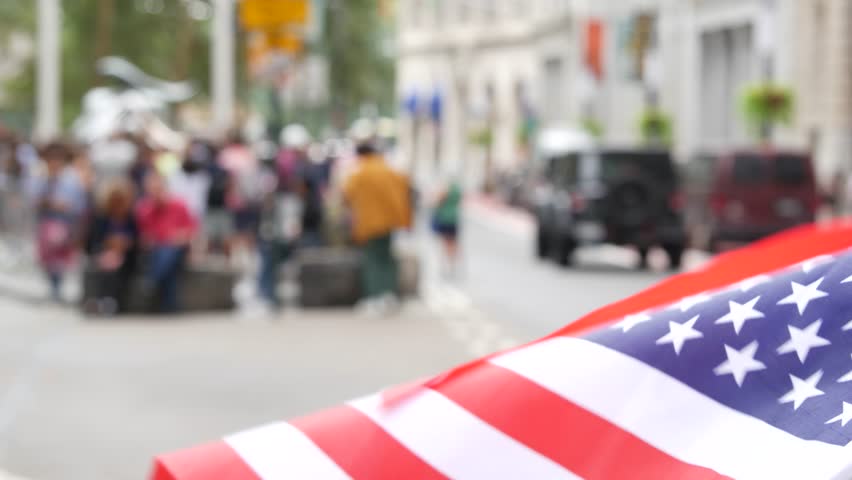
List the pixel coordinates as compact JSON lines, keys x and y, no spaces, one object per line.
{"x":167,"y":228}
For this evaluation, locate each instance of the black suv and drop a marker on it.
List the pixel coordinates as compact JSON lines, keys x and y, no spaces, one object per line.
{"x":605,"y":195}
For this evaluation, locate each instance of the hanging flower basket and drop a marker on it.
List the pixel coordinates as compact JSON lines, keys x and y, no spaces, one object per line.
{"x":593,"y":127}
{"x":482,"y":137}
{"x":526,"y":131}
{"x":765,"y":105}
{"x":655,"y":126}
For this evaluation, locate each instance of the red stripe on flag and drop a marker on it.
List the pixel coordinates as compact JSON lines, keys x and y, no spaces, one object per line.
{"x":362,"y":448}
{"x":766,"y":256}
{"x":214,"y":460}
{"x":577,"y":439}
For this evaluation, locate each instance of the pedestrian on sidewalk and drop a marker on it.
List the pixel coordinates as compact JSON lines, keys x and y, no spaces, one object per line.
{"x":113,"y":246}
{"x":167,"y":228}
{"x":242,"y":200}
{"x":60,"y":201}
{"x":379,"y":200}
{"x":274,"y":244}
{"x":445,"y":224}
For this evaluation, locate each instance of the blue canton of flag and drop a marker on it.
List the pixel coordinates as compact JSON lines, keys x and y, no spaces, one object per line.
{"x":776,"y":347}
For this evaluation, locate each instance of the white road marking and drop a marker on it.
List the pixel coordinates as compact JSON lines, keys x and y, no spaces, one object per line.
{"x":466,"y":323}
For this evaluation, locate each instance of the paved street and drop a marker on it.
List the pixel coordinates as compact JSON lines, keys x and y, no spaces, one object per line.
{"x":532,"y":298}
{"x":96,"y":399}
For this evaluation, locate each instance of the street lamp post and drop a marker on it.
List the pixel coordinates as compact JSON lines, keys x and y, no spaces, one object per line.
{"x":222,"y":69}
{"x":48,"y":85}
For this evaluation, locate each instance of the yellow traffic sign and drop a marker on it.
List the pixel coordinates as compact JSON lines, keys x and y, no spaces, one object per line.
{"x":265,"y":14}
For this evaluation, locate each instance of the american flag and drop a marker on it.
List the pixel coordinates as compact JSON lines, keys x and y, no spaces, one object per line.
{"x":749,"y":376}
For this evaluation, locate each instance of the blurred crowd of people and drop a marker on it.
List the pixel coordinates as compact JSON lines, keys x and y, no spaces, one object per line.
{"x":127,"y":207}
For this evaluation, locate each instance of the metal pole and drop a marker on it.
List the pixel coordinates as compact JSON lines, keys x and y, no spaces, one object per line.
{"x":48,"y":85}
{"x":222,"y":68}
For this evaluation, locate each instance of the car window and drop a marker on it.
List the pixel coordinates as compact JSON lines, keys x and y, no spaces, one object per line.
{"x":749,"y":169}
{"x":616,"y":166}
{"x":791,"y":169}
{"x":564,"y":170}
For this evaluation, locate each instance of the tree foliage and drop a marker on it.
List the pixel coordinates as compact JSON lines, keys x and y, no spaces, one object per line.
{"x":166,"y":44}
{"x":361,"y":69}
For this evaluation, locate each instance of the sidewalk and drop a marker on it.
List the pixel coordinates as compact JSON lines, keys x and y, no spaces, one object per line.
{"x":96,"y":399}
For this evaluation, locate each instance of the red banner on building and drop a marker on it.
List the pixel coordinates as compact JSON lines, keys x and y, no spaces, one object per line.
{"x":595,"y":48}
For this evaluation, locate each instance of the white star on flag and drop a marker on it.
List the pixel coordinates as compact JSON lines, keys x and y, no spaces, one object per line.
{"x":740,"y":313}
{"x":680,"y":333}
{"x":846,"y":378}
{"x":844,"y":417}
{"x":847,"y":279}
{"x":802,"y":341}
{"x":848,"y":326}
{"x":802,"y":390}
{"x":631,"y":321}
{"x":811,"y":264}
{"x":689,"y":302}
{"x":740,"y":363}
{"x":803,"y":295}
{"x":752,"y":282}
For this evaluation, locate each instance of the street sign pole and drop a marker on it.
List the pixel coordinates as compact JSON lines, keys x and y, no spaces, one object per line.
{"x":222,"y":65}
{"x":48,"y":85}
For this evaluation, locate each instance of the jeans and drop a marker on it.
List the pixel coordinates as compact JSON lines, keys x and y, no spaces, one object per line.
{"x":54,"y":280}
{"x":164,"y":269}
{"x":380,"y":269}
{"x":271,"y":256}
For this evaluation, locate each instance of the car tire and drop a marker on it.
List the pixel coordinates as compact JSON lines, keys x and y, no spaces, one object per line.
{"x":565,"y":252}
{"x":714,"y":245}
{"x":643,"y":258}
{"x":675,"y":254}
{"x":542,"y":245}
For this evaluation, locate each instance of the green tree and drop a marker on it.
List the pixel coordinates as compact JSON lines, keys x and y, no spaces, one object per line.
{"x":361,"y":69}
{"x":166,"y":43}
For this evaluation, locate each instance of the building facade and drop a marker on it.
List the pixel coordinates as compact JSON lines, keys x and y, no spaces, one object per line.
{"x":470,"y":80}
{"x":468,"y":67}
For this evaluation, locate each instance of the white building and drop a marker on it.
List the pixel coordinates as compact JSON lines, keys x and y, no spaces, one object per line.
{"x":478,"y":65}
{"x":491,"y":62}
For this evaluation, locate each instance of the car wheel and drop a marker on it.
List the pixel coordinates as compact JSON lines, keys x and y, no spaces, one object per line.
{"x":542,"y":245}
{"x":675,"y":254}
{"x":714,"y":245}
{"x":643,"y":258}
{"x":565,"y":252}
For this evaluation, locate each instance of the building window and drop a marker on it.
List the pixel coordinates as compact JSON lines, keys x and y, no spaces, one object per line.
{"x":488,"y":10}
{"x":463,"y":9}
{"x":728,"y":65}
{"x":554,"y":90}
{"x":817,"y":53}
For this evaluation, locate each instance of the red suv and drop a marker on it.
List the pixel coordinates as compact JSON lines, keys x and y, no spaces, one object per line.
{"x":744,"y":195}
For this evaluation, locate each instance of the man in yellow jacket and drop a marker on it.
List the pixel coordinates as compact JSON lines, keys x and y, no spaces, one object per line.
{"x":380,"y":202}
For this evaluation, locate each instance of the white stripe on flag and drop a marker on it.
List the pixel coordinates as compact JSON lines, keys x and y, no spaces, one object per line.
{"x":670,"y":415}
{"x":457,"y":443}
{"x":280,"y":450}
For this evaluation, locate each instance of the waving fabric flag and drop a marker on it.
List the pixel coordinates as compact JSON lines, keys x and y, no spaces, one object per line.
{"x":740,"y":370}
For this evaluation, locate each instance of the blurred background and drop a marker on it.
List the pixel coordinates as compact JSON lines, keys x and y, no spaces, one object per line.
{"x":219,"y":213}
